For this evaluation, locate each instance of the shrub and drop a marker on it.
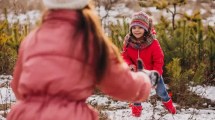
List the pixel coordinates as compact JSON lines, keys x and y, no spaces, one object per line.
{"x":11,"y":36}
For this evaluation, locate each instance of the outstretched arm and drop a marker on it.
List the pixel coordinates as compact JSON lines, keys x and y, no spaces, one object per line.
{"x":122,"y":84}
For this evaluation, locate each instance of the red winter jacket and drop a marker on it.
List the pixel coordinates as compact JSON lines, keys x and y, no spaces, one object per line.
{"x":152,"y":56}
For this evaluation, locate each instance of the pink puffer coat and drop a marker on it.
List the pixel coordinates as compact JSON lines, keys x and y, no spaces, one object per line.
{"x":50,"y":82}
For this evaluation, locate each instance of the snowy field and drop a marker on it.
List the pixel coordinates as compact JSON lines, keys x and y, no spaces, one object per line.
{"x":118,"y":110}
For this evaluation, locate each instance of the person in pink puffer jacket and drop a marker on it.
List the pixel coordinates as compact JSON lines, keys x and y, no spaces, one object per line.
{"x":61,"y":62}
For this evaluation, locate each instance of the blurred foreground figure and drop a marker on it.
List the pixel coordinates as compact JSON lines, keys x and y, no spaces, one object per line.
{"x":63,"y":60}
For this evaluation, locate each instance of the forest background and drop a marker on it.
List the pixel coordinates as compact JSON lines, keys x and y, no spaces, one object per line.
{"x":185,"y":30}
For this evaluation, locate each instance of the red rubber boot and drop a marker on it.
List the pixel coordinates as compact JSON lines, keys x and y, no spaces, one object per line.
{"x":169,"y":106}
{"x":136,"y":110}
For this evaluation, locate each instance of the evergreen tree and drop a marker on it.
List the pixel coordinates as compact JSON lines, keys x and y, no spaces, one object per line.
{"x":164,"y":4}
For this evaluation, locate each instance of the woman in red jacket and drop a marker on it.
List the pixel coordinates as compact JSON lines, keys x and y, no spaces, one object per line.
{"x":141,"y":43}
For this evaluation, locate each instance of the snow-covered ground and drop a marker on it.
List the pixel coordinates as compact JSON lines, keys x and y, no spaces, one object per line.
{"x":119,"y":110}
{"x":206,"y":91}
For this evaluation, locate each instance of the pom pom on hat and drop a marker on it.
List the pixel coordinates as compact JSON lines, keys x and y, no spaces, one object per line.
{"x":141,"y":19}
{"x":65,"y":4}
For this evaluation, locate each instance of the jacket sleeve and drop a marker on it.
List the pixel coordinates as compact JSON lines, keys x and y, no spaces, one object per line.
{"x":157,"y":57}
{"x":122,"y":84}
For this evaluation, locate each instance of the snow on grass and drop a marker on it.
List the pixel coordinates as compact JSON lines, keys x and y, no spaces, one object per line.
{"x":205,"y":92}
{"x":6,"y":95}
{"x":151,"y":112}
{"x":119,"y":110}
{"x":30,"y":17}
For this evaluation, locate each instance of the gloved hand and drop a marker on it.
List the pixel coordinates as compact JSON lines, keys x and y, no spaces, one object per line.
{"x":153,"y":75}
{"x":133,"y":67}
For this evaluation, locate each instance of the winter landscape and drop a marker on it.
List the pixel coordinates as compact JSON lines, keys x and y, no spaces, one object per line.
{"x":203,"y":88}
{"x":119,"y":110}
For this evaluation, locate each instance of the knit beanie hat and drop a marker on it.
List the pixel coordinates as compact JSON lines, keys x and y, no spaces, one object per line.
{"x":141,"y":19}
{"x":65,"y":4}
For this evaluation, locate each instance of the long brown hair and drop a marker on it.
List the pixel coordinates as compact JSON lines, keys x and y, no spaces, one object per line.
{"x":90,"y":24}
{"x":101,"y":43}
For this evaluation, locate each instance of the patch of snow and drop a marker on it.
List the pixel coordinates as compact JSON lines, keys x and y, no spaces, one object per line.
{"x":205,"y":92}
{"x":156,"y":112}
{"x":189,"y":12}
{"x":6,"y":95}
{"x":30,"y":17}
{"x":203,"y":11}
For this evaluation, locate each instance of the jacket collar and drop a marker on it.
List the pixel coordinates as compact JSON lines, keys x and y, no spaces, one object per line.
{"x":66,"y":14}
